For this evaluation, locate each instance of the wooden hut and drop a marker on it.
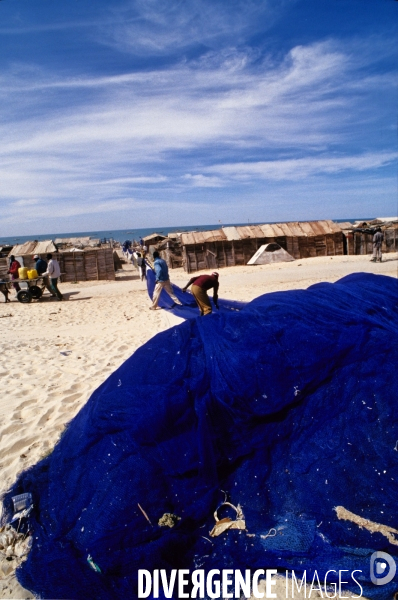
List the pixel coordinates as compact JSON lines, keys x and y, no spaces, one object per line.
{"x":4,"y":261}
{"x":89,"y":264}
{"x":360,"y":240}
{"x":27,"y":250}
{"x":77,"y":242}
{"x":231,"y":246}
{"x":153,"y":239}
{"x":170,"y":250}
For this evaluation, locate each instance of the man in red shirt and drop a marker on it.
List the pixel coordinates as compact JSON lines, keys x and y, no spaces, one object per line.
{"x":13,"y":271}
{"x":200,"y":286}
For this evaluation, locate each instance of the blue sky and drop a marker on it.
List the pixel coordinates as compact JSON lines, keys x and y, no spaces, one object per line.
{"x":141,"y":113}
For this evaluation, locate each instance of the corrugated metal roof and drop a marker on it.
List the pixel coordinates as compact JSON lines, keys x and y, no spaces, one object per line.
{"x":217,"y":235}
{"x":33,"y":248}
{"x":278,"y":231}
{"x":286,"y":229}
{"x":78,"y":241}
{"x":200,"y":237}
{"x":317,"y":228}
{"x":268,"y":230}
{"x":346,"y":225}
{"x":249,"y":231}
{"x":151,"y":236}
{"x":231,"y":233}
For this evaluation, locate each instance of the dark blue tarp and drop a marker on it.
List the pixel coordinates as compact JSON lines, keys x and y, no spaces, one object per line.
{"x":289,"y":405}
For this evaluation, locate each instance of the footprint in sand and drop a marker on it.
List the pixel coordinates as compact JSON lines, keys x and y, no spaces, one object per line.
{"x":46,"y":417}
{"x":77,"y":386}
{"x":14,"y":428}
{"x":71,"y":398}
{"x":18,"y":446}
{"x":25,"y":404}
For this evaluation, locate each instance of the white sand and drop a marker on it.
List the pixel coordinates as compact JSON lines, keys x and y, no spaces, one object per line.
{"x":55,"y":354}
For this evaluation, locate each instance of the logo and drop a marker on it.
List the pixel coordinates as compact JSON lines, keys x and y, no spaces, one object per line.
{"x":382,"y":568}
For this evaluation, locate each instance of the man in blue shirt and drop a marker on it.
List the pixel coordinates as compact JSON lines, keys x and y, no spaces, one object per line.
{"x":162,"y":281}
{"x":41,"y":267}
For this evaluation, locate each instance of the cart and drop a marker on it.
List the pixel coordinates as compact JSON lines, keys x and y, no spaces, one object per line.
{"x":31,"y":292}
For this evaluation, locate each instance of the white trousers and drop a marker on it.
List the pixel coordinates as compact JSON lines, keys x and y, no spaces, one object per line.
{"x":160,"y":285}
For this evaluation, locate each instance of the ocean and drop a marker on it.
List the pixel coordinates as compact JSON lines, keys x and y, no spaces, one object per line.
{"x":120,"y":235}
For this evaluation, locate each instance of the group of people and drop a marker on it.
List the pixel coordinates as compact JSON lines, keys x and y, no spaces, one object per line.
{"x":136,"y":256}
{"x":200,"y":285}
{"x":49,"y":271}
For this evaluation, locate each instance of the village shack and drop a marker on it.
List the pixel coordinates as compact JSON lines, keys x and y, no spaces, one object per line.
{"x":4,"y":260}
{"x":230,"y":246}
{"x":87,"y":264}
{"x":153,"y":239}
{"x":360,"y":237}
{"x":170,"y":250}
{"x":77,"y":242}
{"x":24,"y":252}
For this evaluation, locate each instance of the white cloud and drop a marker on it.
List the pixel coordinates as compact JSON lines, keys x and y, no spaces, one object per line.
{"x":91,"y":144}
{"x":203,"y":181}
{"x":156,"y":27}
{"x":303,"y":168}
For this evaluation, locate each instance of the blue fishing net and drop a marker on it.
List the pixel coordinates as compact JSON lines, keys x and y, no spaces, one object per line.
{"x":287,"y":405}
{"x":189,"y":308}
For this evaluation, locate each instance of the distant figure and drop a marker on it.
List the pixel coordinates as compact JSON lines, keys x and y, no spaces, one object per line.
{"x":41,"y":267}
{"x":141,"y":241}
{"x":201,"y":284}
{"x":13,"y":271}
{"x":4,"y":290}
{"x":126,"y":249}
{"x":162,"y":281}
{"x":141,"y":266}
{"x":133,"y":257}
{"x":377,"y":242}
{"x":53,"y":272}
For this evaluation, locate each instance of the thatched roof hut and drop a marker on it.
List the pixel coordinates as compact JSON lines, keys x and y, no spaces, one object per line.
{"x":34,"y":247}
{"x":153,"y":238}
{"x":87,"y":264}
{"x":77,"y":242}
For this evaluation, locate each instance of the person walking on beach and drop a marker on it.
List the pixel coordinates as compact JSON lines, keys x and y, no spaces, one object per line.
{"x":141,"y":266}
{"x":377,"y":242}
{"x":13,"y":271}
{"x":41,"y":267}
{"x":162,"y":281}
{"x":201,"y":284}
{"x":53,"y":272}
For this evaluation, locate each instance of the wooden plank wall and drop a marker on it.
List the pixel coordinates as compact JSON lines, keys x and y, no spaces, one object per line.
{"x":91,"y":265}
{"x":216,"y":255}
{"x":363,"y":242}
{"x":4,"y":265}
{"x":390,"y":243}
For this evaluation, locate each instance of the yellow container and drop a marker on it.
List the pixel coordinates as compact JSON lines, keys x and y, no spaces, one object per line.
{"x":23,"y":273}
{"x":33,"y":274}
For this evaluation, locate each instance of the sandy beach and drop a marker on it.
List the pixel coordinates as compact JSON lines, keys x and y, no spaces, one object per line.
{"x":55,"y":354}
